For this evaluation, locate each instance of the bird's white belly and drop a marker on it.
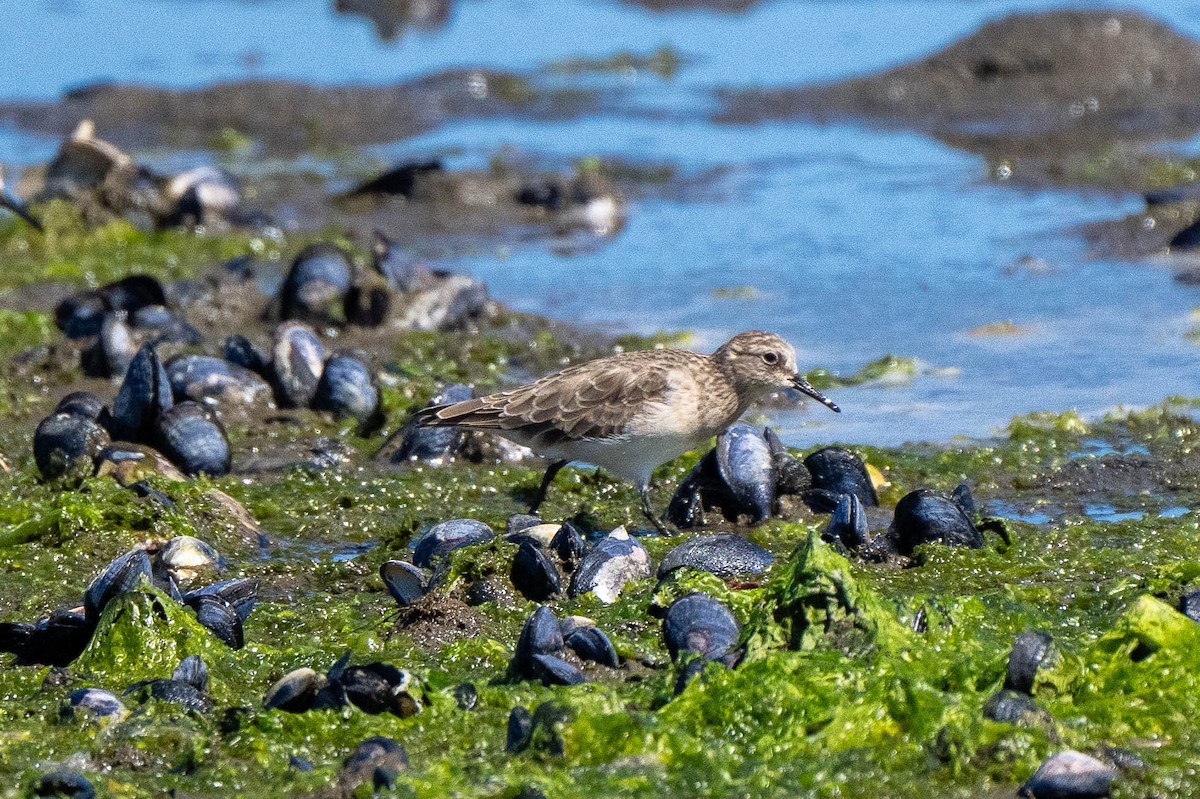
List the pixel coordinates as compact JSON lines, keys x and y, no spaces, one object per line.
{"x":633,"y":458}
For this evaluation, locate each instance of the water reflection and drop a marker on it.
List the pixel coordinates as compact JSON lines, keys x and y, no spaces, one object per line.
{"x":391,"y":17}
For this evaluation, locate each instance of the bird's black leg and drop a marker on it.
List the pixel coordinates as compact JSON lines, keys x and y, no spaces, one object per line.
{"x":649,"y":514}
{"x":548,"y":478}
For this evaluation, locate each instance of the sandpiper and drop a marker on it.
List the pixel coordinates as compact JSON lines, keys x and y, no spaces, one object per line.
{"x":632,"y":412}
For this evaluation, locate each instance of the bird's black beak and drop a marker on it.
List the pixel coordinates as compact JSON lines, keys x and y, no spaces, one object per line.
{"x":11,"y":203}
{"x":804,"y":387}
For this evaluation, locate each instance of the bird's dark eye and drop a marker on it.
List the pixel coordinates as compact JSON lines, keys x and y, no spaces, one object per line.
{"x":770,"y":358}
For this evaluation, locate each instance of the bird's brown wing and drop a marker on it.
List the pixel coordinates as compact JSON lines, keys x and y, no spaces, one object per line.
{"x":581,"y":402}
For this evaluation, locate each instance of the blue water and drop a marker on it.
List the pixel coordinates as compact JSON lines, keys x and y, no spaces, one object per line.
{"x":939,"y":252}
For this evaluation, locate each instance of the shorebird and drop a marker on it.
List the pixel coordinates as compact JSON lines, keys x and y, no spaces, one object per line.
{"x":632,"y":412}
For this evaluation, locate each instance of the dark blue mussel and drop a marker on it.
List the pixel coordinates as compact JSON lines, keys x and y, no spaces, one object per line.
{"x":121,"y":576}
{"x":925,"y":516}
{"x":297,"y":360}
{"x":537,"y":652}
{"x":84,"y":403}
{"x":144,"y":395}
{"x":700,"y":625}
{"x":848,"y":523}
{"x":445,"y":537}
{"x":193,"y":439}
{"x":66,"y":445}
{"x":82,"y":314}
{"x":747,"y":468}
{"x":113,"y":349}
{"x":723,"y":554}
{"x":239,"y":351}
{"x":348,"y":389}
{"x":317,"y":280}
{"x":837,"y":471}
{"x":404,"y":581}
{"x":589,"y":643}
{"x":615,"y":560}
{"x":533,"y":574}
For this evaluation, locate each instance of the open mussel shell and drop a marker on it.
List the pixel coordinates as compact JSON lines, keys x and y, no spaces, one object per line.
{"x":848,"y":523}
{"x":241,"y":594}
{"x":120,"y":576}
{"x":445,"y":537}
{"x":925,"y":516}
{"x":747,"y":468}
{"x":218,"y":617}
{"x":66,"y":445}
{"x":194,"y":440}
{"x":837,"y":471}
{"x":348,"y":389}
{"x":590,"y":643}
{"x":297,"y":360}
{"x":700,"y":625}
{"x":723,"y":554}
{"x":144,"y":395}
{"x":404,"y":581}
{"x":379,"y":688}
{"x":533,"y":574}
{"x":186,"y":557}
{"x":317,"y":280}
{"x":616,"y":559}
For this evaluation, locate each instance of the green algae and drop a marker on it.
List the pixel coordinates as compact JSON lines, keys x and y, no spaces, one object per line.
{"x":838,"y":693}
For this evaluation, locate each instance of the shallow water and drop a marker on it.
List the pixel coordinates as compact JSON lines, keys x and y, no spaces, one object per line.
{"x":939,"y":252}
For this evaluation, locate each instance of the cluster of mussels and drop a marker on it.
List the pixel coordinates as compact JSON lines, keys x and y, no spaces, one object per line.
{"x":220,"y":607}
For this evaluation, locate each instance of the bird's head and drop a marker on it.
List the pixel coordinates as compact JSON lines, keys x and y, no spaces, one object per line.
{"x":761,"y":362}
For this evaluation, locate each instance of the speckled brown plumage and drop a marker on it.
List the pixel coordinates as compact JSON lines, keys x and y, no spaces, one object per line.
{"x":631,"y":412}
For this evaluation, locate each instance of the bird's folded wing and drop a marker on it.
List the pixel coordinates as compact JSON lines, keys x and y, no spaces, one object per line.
{"x":573,"y":404}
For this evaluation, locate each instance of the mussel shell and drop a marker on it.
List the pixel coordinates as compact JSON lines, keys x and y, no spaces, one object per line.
{"x":85,"y":404}
{"x":144,"y":395}
{"x":202,"y":377}
{"x":295,"y":691}
{"x":840,"y":471}
{"x":130,"y":463}
{"x":723,"y":554}
{"x":699,"y":624}
{"x":185,"y":556}
{"x":616,"y":559}
{"x":1189,"y":603}
{"x":431,"y":445}
{"x":747,"y":468}
{"x":848,"y":523}
{"x":97,"y":704}
{"x":589,"y":643}
{"x":1014,"y":707}
{"x":378,"y":759}
{"x":63,"y":785}
{"x":791,"y":476}
{"x":518,"y":731}
{"x":122,"y":575}
{"x":297,"y":360}
{"x":924,"y":516}
{"x":379,"y":687}
{"x":533,"y":574}
{"x":213,"y":190}
{"x":241,"y":594}
{"x":1070,"y":775}
{"x":219,"y":618}
{"x":82,"y":314}
{"x":553,"y":670}
{"x":348,"y":389}
{"x":686,"y":508}
{"x":53,"y":641}
{"x":1029,"y":651}
{"x":539,"y":636}
{"x":445,"y":537}
{"x":239,"y":351}
{"x":318,"y":278}
{"x":193,"y":671}
{"x":176,"y":692}
{"x":67,"y":445}
{"x":194,"y":440}
{"x":568,"y":544}
{"x":404,"y":581}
